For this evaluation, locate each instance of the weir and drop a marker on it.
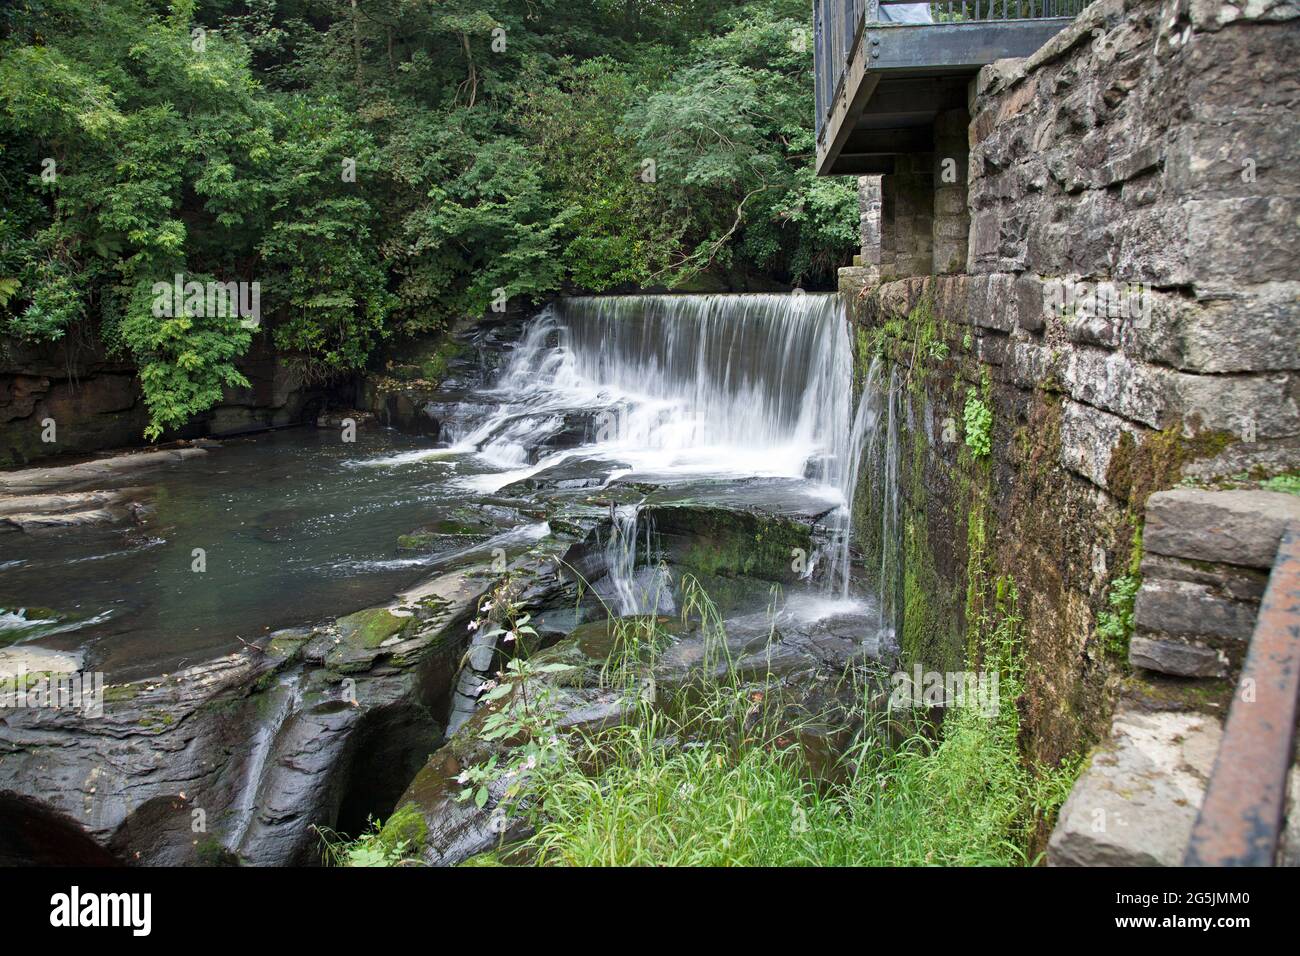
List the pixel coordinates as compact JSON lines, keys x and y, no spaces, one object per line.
{"x":685,"y":388}
{"x":590,"y":463}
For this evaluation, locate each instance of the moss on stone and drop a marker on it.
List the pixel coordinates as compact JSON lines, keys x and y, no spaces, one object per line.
{"x":405,"y":826}
{"x":1139,"y":468}
{"x":371,"y":627}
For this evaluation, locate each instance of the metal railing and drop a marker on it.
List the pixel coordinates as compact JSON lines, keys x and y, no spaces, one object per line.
{"x":945,"y":11}
{"x":1240,"y":822}
{"x":838,"y":26}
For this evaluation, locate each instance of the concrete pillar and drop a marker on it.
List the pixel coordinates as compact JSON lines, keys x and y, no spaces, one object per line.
{"x":950,"y":172}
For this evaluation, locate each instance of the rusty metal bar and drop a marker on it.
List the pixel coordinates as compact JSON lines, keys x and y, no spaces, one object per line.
{"x":1241,"y":818}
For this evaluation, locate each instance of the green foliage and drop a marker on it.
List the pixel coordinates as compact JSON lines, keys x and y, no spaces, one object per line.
{"x":978,"y":421}
{"x":1289,"y":483}
{"x":1115,"y":622}
{"x":396,"y":842}
{"x":498,"y":148}
{"x":741,"y":795}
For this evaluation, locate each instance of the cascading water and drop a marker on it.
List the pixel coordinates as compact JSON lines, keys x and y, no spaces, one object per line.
{"x":876,"y":436}
{"x":680,"y":387}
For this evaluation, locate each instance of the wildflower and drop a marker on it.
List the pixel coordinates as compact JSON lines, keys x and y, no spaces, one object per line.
{"x":486,"y":686}
{"x":531,"y":762}
{"x":509,"y":637}
{"x":473,"y":625}
{"x":463,"y":778}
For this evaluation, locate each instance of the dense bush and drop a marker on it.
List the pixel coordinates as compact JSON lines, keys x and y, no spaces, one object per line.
{"x":384,"y":166}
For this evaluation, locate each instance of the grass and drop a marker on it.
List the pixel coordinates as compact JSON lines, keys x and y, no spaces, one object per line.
{"x":1288,"y":482}
{"x":722,"y":783}
{"x":964,"y":801}
{"x":716,"y":776}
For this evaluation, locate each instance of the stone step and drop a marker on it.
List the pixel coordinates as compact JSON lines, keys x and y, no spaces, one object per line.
{"x":1137,"y":800}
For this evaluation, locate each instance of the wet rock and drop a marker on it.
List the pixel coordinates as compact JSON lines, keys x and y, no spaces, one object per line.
{"x":1234,"y":527}
{"x":721,"y":541}
{"x":342,"y":417}
{"x":568,"y":475}
{"x":1137,"y":801}
{"x":319,"y":726}
{"x":788,"y":652}
{"x":32,"y":480}
{"x":35,"y":523}
{"x":459,"y":528}
{"x":66,"y":502}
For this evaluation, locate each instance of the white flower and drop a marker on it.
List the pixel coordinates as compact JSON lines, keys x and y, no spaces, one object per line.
{"x":463,"y":778}
{"x":531,"y":762}
{"x":509,"y":637}
{"x":487,"y":606}
{"x":473,"y":625}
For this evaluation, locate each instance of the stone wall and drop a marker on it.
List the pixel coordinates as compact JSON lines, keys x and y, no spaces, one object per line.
{"x":1148,"y":152}
{"x":907,"y":215}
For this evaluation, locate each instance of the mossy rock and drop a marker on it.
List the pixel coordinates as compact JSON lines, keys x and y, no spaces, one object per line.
{"x":725,"y":542}
{"x":119,"y":693}
{"x":406,"y":825}
{"x":370,"y":628}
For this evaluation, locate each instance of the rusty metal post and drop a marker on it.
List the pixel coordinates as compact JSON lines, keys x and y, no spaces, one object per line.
{"x":1241,"y":818}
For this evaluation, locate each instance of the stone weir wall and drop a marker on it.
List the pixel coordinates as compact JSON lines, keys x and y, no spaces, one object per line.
{"x":1148,"y":153}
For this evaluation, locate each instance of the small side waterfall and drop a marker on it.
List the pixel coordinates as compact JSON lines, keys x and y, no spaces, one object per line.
{"x":634,"y":584}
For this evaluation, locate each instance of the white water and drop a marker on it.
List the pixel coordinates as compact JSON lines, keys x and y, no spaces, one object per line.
{"x":685,"y":385}
{"x":679,"y":387}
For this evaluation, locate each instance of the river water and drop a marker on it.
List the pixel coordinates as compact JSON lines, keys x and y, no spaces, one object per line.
{"x":741,"y":399}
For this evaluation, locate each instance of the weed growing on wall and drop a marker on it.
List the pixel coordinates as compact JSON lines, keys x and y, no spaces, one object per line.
{"x":978,"y":419}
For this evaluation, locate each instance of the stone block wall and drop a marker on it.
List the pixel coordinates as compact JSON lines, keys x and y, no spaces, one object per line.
{"x":1149,"y":152}
{"x":951,"y":219}
{"x":907,"y":217}
{"x":869,"y":222}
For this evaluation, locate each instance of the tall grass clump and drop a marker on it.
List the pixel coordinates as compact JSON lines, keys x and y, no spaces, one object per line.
{"x":720,"y":781}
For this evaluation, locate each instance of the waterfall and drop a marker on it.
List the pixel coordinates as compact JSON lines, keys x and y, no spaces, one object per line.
{"x":633,"y":584}
{"x":683,"y":386}
{"x":876,"y":440}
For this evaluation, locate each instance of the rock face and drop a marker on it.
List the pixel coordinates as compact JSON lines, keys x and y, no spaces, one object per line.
{"x":96,"y":404}
{"x":1137,"y":801}
{"x":237,"y":759}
